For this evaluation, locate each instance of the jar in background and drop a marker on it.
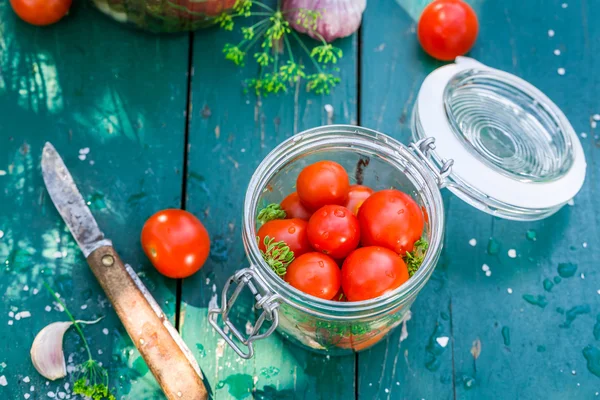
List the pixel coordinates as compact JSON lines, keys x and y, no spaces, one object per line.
{"x":494,"y":140}
{"x":165,"y":15}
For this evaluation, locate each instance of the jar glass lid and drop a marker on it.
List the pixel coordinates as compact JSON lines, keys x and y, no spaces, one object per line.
{"x":515,"y":153}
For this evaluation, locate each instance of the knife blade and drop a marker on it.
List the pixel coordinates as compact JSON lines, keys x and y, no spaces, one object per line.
{"x":159,"y":343}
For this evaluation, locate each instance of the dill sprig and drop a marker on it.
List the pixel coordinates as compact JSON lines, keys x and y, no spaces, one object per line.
{"x":93,"y":379}
{"x":414,"y":258}
{"x":267,"y":40}
{"x":271,"y":212}
{"x":277,"y":255}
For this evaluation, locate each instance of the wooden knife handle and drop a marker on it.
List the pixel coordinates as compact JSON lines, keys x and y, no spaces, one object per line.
{"x":160,"y":345}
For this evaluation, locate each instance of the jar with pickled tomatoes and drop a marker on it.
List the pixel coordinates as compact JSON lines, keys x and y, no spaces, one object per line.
{"x":492,"y":139}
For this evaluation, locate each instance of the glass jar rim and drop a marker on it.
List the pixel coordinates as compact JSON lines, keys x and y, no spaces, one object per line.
{"x":396,"y":154}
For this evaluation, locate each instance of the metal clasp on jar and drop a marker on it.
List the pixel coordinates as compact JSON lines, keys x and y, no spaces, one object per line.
{"x":440,"y":173}
{"x":265,"y":300}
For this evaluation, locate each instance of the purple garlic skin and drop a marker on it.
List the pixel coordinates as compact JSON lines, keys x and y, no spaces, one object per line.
{"x":339,"y":18}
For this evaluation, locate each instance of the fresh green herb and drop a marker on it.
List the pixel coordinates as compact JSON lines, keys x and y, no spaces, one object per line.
{"x":277,"y":254}
{"x":271,"y":212}
{"x":414,"y":258}
{"x":269,"y":39}
{"x":93,"y":379}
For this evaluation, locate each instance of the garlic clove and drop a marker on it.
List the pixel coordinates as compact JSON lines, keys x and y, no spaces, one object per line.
{"x":339,"y":18}
{"x":47,"y":353}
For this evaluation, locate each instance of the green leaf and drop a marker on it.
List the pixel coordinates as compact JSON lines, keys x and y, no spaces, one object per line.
{"x":414,"y":258}
{"x":248,"y":33}
{"x":277,"y":255}
{"x":243,"y":7}
{"x":234,"y":53}
{"x":291,"y":72}
{"x":321,"y":83}
{"x":326,"y":53}
{"x":308,"y":18}
{"x":271,"y":212}
{"x":225,"y":21}
{"x":263,"y":59}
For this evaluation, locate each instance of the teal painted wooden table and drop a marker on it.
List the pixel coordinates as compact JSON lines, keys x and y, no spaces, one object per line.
{"x":148,"y":122}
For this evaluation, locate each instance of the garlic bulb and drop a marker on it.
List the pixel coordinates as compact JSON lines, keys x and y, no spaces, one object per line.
{"x":339,"y":18}
{"x":47,"y":353}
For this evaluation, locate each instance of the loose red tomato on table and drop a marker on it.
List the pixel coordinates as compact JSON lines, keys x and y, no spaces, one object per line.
{"x":176,"y":242}
{"x":291,"y":231}
{"x":294,"y":208}
{"x":333,"y":230}
{"x":390,"y":218}
{"x":316,"y":274}
{"x":323,"y":183}
{"x":369,"y":272}
{"x":356,"y":196}
{"x":447,"y":29}
{"x":41,"y":12}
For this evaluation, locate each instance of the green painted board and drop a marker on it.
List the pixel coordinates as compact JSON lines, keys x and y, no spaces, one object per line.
{"x":541,"y":352}
{"x":230,"y":133}
{"x":121,"y":133}
{"x":393,"y":67}
{"x":523,"y":351}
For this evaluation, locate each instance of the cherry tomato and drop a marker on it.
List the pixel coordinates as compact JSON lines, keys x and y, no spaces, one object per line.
{"x":392,"y":219}
{"x":369,"y":272}
{"x":41,"y":12}
{"x":447,"y":29}
{"x":356,"y":196}
{"x":315,"y":274}
{"x":333,"y":230}
{"x":176,"y":243}
{"x":323,"y":183}
{"x":294,"y":208}
{"x":291,"y":231}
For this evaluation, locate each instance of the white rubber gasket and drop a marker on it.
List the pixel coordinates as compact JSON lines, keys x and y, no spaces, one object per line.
{"x":530,"y":195}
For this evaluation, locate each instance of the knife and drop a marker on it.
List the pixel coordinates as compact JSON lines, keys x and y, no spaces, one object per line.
{"x":159,"y":343}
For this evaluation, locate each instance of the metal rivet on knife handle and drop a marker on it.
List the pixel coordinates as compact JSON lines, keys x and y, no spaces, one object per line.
{"x":108,"y":260}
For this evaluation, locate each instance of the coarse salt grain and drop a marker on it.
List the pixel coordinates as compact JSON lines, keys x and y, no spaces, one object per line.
{"x":10,"y":322}
{"x":105,"y":331}
{"x":26,"y":379}
{"x":557,"y":52}
{"x":473,"y":242}
{"x":442,"y":340}
{"x":561,"y":71}
{"x":3,"y":381}
{"x":512,"y":253}
{"x":509,"y":290}
{"x":551,"y":33}
{"x":48,"y":308}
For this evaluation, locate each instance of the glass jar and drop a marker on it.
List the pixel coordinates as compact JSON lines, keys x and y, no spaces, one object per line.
{"x":165,"y":15}
{"x":487,"y":125}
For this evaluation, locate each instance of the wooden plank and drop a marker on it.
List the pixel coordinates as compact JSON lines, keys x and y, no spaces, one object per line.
{"x":230,"y":133}
{"x":111,"y":100}
{"x":540,"y":354}
{"x":393,"y":67}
